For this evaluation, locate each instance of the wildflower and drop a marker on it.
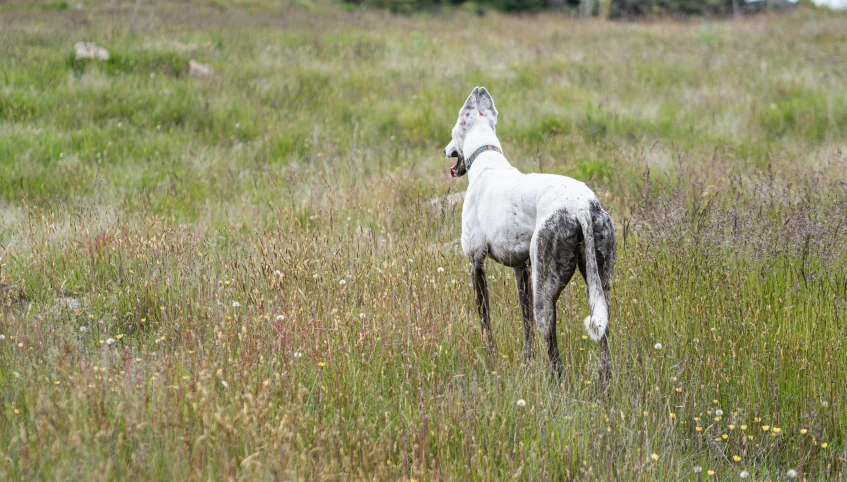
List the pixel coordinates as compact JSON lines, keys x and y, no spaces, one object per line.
{"x":824,"y":404}
{"x":657,"y":346}
{"x":731,"y":427}
{"x":698,"y":469}
{"x":2,"y":337}
{"x":280,"y":317}
{"x":776,"y":430}
{"x":440,"y":269}
{"x":298,"y":354}
{"x":342,"y":282}
{"x":452,"y":281}
{"x":315,"y":276}
{"x":736,"y":458}
{"x":803,"y":431}
{"x":83,"y":329}
{"x":673,"y":415}
{"x":719,"y":412}
{"x":224,"y":383}
{"x":521,"y":402}
{"x":17,"y":411}
{"x":236,"y":304}
{"x":410,"y":260}
{"x":766,"y":427}
{"x":321,"y":364}
{"x":277,"y":272}
{"x":110,"y":341}
{"x":655,"y":457}
{"x":119,"y":336}
{"x":743,"y":427}
{"x":824,"y":445}
{"x":710,"y":472}
{"x":678,"y":390}
{"x":724,"y":436}
{"x":744,"y":474}
{"x":362,"y":315}
{"x":698,"y":428}
{"x":791,"y":474}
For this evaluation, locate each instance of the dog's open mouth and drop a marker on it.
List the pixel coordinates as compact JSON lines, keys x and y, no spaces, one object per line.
{"x":458,"y":168}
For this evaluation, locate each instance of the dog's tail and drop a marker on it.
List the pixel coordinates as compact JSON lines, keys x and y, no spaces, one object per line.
{"x":596,"y":323}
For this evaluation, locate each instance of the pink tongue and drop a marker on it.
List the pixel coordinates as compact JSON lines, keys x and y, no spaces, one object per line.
{"x":452,"y":172}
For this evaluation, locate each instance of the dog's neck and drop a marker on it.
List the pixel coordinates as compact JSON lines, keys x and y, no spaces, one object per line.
{"x":483,"y":135}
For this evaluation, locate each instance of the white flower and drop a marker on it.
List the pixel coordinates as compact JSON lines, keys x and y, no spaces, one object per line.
{"x":120,"y":124}
{"x":342,"y":282}
{"x":2,"y":337}
{"x":278,"y":273}
{"x":280,"y":317}
{"x":297,"y":354}
{"x":110,"y":341}
{"x":440,"y":269}
{"x":83,"y":329}
{"x":657,"y":346}
{"x":698,"y":469}
{"x":349,"y":219}
{"x":431,"y":280}
{"x":824,"y":404}
{"x":224,"y":383}
{"x":744,"y":474}
{"x":452,"y":281}
{"x":315,"y":276}
{"x":411,"y":260}
{"x":362,"y":315}
{"x":719,"y":412}
{"x":791,"y":474}
{"x":236,"y":304}
{"x":521,"y":402}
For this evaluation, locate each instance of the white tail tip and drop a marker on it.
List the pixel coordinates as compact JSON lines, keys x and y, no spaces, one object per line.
{"x":595,"y":328}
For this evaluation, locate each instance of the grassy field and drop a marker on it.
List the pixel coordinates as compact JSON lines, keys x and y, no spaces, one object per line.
{"x":240,"y":276}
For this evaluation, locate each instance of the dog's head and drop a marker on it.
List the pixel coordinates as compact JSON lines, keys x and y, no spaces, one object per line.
{"x":479,"y":108}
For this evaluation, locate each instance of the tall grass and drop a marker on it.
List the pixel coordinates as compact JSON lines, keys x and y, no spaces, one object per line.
{"x":237,"y":277}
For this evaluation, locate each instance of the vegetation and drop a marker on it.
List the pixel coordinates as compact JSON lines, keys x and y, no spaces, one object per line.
{"x":241,"y":276}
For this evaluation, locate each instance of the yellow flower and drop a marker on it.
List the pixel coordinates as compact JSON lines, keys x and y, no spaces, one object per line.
{"x":736,"y":458}
{"x":673,"y":415}
{"x":710,"y":472}
{"x":803,"y":431}
{"x":743,"y":427}
{"x":731,"y":427}
{"x":584,"y":337}
{"x":678,"y":390}
{"x":766,"y":427}
{"x":724,"y":436}
{"x":493,"y":372}
{"x":715,"y":402}
{"x":699,"y":429}
{"x":777,"y":430}
{"x":17,"y":410}
{"x":321,"y":364}
{"x":717,"y":419}
{"x":824,"y":445}
{"x":655,"y":457}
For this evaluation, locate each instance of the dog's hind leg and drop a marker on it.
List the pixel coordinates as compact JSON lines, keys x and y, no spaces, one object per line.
{"x":553,"y":254}
{"x":522,"y":282}
{"x":480,"y":287}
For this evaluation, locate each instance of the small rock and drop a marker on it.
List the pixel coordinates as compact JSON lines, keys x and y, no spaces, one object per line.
{"x":200,"y":70}
{"x":67,"y":302}
{"x":447,"y":201}
{"x":90,"y":50}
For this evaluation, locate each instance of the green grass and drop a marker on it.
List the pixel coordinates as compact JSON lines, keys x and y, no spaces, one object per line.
{"x":205,"y":225}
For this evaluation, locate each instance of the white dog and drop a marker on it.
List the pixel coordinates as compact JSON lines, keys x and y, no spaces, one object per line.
{"x":552,"y":223}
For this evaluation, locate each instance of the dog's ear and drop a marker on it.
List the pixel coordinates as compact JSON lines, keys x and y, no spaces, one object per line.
{"x":485,"y":105}
{"x":467,"y":116}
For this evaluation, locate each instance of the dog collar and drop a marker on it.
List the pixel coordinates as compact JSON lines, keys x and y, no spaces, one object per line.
{"x":479,"y":151}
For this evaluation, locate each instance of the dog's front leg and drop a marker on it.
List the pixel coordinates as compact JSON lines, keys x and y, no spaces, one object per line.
{"x":525,"y":296}
{"x":480,"y":286}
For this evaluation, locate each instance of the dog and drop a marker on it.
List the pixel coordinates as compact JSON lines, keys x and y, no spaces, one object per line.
{"x":541,"y":225}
